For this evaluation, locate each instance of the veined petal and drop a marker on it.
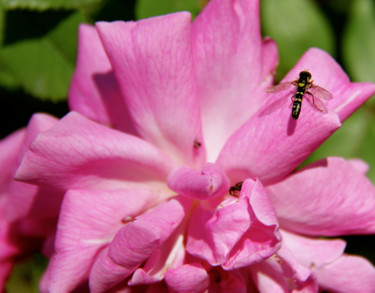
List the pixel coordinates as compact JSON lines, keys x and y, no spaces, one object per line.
{"x":327,"y":73}
{"x":270,"y":145}
{"x":153,"y":64}
{"x":135,"y":242}
{"x":238,"y":233}
{"x":329,"y":197}
{"x":187,"y":278}
{"x":94,"y":91}
{"x":84,"y":229}
{"x":106,"y":274}
{"x":79,"y":153}
{"x":203,"y":184}
{"x":228,"y":57}
{"x":38,"y":123}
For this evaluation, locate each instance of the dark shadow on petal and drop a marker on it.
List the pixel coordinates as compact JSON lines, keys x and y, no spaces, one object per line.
{"x":292,"y":124}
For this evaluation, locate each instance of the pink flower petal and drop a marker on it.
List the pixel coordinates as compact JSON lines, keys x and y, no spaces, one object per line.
{"x":327,"y":73}
{"x":334,"y":271}
{"x":94,"y":91}
{"x":82,"y":232}
{"x":329,"y":198}
{"x":105,"y":274}
{"x":238,"y":233}
{"x":26,"y":199}
{"x":38,"y":123}
{"x":313,"y":253}
{"x":170,"y":254}
{"x":282,"y":273}
{"x":79,"y":153}
{"x":348,"y":274}
{"x":7,"y":246}
{"x":187,"y":278}
{"x":135,"y":242}
{"x":9,"y":157}
{"x":273,"y":145}
{"x":203,"y":184}
{"x":360,"y":165}
{"x":152,"y":62}
{"x":228,"y":56}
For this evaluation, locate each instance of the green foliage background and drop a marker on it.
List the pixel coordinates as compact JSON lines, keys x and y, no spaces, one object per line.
{"x":38,"y":41}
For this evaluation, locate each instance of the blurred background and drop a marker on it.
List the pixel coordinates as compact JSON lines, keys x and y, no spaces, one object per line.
{"x":38,"y":49}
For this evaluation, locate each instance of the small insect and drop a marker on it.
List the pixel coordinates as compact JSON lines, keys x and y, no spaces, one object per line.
{"x":304,"y":86}
{"x":236,"y":189}
{"x":197,"y":144}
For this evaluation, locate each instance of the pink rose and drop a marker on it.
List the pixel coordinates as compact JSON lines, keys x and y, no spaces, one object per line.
{"x":181,"y":117}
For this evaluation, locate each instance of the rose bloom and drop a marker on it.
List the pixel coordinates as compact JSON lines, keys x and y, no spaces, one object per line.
{"x":168,"y":115}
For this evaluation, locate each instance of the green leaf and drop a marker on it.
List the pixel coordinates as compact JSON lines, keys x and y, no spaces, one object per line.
{"x":46,"y":4}
{"x":295,"y":25}
{"x":149,"y":8}
{"x":26,"y":275}
{"x":39,"y":51}
{"x":7,"y":80}
{"x":355,"y":139}
{"x":359,"y":41}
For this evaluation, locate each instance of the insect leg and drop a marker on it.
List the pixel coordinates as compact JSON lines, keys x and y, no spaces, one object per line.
{"x":313,"y":99}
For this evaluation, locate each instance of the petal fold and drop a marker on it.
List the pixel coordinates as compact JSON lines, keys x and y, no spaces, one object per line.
{"x":187,"y":278}
{"x":170,"y":254}
{"x":106,"y":274}
{"x":282,"y":273}
{"x":239,"y":232}
{"x":208,"y":183}
{"x":136,"y":241}
{"x":94,"y":91}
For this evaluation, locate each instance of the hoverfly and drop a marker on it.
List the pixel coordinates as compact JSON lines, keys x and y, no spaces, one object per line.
{"x":304,"y":85}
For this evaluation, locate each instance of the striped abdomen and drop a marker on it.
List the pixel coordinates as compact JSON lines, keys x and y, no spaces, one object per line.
{"x":297,"y":102}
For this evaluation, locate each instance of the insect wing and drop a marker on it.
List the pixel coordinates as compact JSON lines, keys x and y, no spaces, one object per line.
{"x":320,"y":92}
{"x":318,"y":102}
{"x":279,"y":87}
